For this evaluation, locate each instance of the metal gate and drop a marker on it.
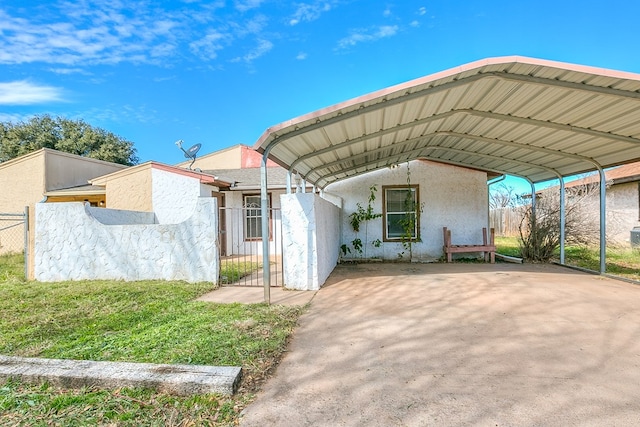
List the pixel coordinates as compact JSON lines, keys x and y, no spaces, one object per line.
{"x":241,"y":246}
{"x":14,"y":235}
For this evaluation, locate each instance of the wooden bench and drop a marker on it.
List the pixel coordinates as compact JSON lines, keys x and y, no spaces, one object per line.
{"x":489,"y":248}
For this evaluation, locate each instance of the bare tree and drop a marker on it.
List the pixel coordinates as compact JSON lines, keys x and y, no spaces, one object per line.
{"x":540,"y":228}
{"x":502,"y":196}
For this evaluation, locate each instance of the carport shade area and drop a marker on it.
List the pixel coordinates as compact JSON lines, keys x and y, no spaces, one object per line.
{"x":536,"y":119}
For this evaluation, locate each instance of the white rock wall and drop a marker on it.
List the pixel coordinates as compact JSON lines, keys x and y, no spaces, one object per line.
{"x":327,"y":237}
{"x":71,"y":244}
{"x":174,"y":196}
{"x":310,"y":231}
{"x":120,"y":216}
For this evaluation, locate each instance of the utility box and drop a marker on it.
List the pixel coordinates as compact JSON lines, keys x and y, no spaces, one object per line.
{"x":635,"y":237}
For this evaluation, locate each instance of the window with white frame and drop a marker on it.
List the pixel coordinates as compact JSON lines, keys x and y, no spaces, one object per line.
{"x":253,"y":217}
{"x":400,"y":216}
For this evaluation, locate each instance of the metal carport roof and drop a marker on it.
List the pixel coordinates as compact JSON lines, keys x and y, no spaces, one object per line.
{"x":532,"y":118}
{"x":525,"y":117}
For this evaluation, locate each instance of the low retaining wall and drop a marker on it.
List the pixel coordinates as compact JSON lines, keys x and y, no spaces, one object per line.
{"x":72,"y":244}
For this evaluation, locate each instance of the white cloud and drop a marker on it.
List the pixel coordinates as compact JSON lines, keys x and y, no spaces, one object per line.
{"x":73,"y":35}
{"x":422,"y":11}
{"x":386,"y":13}
{"x":306,"y":12}
{"x":367,"y":35}
{"x":263,"y":47}
{"x":23,"y":92}
{"x":301,"y":56}
{"x":415,"y":24}
{"x":208,"y":46}
{"x":246,"y":5}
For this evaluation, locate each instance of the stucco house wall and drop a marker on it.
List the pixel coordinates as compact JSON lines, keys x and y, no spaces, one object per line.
{"x":25,"y":180}
{"x":448,"y":195}
{"x":129,"y":190}
{"x":623,"y":211}
{"x":169,"y":192}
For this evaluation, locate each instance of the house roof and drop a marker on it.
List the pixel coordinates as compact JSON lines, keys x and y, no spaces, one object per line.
{"x":525,"y":117}
{"x":80,"y":190}
{"x":619,"y":175}
{"x":204,"y":177}
{"x":249,"y":178}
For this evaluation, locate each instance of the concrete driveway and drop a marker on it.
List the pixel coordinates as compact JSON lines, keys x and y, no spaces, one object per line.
{"x":460,"y":344}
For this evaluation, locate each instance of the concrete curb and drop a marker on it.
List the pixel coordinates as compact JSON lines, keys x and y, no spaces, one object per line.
{"x":183,"y":380}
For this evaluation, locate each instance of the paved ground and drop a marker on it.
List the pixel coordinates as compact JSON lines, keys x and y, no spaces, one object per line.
{"x":255,"y":295}
{"x":461,"y":344}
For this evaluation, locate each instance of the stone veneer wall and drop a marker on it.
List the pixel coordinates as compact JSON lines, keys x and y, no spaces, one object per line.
{"x":310,"y":240}
{"x":71,"y":244}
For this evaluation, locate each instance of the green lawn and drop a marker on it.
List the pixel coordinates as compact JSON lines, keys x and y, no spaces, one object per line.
{"x":150,"y":321}
{"x":623,"y":262}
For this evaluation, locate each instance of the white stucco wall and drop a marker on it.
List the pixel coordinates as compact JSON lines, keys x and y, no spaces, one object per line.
{"x":71,"y":244}
{"x":450,"y":196}
{"x":310,"y":240}
{"x":173,"y":196}
{"x":622,"y":212}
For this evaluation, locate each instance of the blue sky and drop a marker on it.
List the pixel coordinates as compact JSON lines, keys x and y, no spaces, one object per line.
{"x":221,"y":72}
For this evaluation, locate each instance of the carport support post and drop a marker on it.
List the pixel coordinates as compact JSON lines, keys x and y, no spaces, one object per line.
{"x":562,"y":220}
{"x":533,"y":201}
{"x":603,"y":221}
{"x":264,"y":212}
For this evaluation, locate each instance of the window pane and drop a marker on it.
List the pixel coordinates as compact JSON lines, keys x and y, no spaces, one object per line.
{"x":396,"y":224}
{"x":254,"y":228}
{"x":400,"y":210}
{"x":252,"y":202}
{"x":253,"y":217}
{"x":400,"y":200}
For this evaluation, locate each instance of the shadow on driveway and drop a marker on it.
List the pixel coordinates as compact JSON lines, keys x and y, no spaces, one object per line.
{"x":460,"y":344}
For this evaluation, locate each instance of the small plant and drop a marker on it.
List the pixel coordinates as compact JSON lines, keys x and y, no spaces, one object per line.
{"x":357,"y":245}
{"x":377,"y":243}
{"x":344,"y":249}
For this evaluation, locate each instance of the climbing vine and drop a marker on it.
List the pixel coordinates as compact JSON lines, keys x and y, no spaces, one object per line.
{"x":361,"y":217}
{"x":410,"y":234}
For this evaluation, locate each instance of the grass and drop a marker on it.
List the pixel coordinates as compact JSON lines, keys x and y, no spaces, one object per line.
{"x":623,"y":262}
{"x":232,"y":270}
{"x":150,"y":321}
{"x":12,"y":267}
{"x":507,"y":246}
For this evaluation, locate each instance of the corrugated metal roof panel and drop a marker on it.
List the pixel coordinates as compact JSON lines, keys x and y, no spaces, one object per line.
{"x":522,"y":116}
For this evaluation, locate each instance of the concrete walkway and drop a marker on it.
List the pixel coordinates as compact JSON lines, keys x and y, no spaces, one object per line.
{"x":255,"y":295}
{"x":460,"y":344}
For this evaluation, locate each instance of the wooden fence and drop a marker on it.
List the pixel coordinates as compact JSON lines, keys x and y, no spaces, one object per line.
{"x":505,"y":221}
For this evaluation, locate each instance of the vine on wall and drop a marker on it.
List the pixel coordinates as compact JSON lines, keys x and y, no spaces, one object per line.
{"x":359,"y":218}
